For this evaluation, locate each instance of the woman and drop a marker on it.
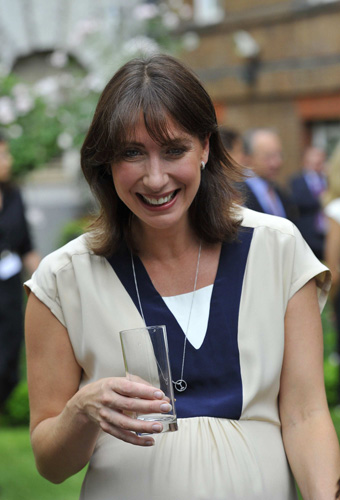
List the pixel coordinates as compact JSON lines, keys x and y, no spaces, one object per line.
{"x":249,"y":353}
{"x":332,"y":247}
{"x":16,"y":251}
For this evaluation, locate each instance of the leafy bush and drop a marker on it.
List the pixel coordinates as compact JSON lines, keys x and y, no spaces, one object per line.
{"x":46,"y":119}
{"x":331,"y":357}
{"x":73,"y":229}
{"x":17,"y":406}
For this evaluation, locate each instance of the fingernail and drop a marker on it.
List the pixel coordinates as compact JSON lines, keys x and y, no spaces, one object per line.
{"x":158,"y":394}
{"x":166,"y":407}
{"x":157,"y":427}
{"x":149,"y":443}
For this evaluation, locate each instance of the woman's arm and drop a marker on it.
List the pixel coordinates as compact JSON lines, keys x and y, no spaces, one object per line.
{"x":308,"y":433}
{"x":65,"y":421}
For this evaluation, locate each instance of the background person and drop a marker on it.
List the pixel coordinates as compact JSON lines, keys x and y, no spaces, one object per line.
{"x":16,"y":251}
{"x":264,"y":158}
{"x":170,"y":226}
{"x":232,"y":141}
{"x":307,"y":189}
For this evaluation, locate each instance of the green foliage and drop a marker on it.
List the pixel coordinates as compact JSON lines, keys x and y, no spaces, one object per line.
{"x":73,"y":229}
{"x":16,"y":411}
{"x":331,"y":371}
{"x":331,"y":360}
{"x":38,"y":142}
{"x":39,"y":121}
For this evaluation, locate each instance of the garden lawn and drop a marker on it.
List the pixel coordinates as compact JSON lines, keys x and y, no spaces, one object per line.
{"x":19,"y":479}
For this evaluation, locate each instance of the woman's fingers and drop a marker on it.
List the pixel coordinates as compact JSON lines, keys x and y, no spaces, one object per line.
{"x":126,"y":428}
{"x":113,"y":402}
{"x":123,"y":395}
{"x":127,"y":436}
{"x":138,"y":389}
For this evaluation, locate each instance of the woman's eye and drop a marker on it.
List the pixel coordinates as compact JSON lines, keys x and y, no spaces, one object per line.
{"x":131,"y":153}
{"x":175,"y":151}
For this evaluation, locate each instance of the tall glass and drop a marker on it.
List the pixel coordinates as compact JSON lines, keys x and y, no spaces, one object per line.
{"x":146,"y":359}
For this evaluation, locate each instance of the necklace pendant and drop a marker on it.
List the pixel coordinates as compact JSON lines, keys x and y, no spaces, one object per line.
{"x":180,"y":385}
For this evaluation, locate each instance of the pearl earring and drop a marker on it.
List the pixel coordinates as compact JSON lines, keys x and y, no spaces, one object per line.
{"x":202,"y":165}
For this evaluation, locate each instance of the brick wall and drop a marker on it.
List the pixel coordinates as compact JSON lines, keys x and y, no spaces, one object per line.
{"x":298,"y":66}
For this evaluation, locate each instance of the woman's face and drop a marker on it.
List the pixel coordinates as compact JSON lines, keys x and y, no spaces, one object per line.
{"x":159,"y":182}
{"x":5,"y":162}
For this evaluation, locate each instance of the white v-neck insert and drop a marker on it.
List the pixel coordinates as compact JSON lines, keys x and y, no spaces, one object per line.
{"x":180,"y":306}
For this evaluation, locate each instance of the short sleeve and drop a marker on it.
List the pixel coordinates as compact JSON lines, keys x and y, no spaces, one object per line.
{"x":332,"y":210}
{"x":305,"y":267}
{"x":44,"y":286}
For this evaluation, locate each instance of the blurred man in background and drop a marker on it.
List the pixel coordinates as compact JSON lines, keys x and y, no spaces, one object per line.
{"x":233,"y":143}
{"x":264,"y":157}
{"x":307,"y":188}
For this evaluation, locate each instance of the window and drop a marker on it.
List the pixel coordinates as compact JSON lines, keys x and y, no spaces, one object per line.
{"x":324,"y":134}
{"x":208,"y":12}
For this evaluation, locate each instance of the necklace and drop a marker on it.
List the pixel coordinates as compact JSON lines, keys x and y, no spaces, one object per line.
{"x":180,"y":384}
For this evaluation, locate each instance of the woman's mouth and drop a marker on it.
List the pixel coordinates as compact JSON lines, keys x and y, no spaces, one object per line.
{"x":158,"y":201}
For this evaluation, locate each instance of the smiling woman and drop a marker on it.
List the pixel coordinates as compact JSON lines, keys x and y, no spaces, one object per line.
{"x":172,"y":111}
{"x":239,"y":293}
{"x":154,"y":179}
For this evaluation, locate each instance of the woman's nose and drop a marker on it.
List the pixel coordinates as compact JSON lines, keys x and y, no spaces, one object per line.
{"x":155,"y":177}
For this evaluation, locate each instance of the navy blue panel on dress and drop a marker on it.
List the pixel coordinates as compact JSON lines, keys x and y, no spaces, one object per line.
{"x":212,"y":372}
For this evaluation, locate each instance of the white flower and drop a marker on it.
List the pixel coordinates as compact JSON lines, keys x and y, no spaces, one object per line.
{"x":83,"y":28}
{"x":7,"y":111}
{"x":140,"y":44}
{"x":23,"y":100}
{"x":48,"y":88}
{"x":170,"y":20}
{"x":65,"y":141}
{"x":145,"y":11}
{"x":20,"y":89}
{"x":190,"y":41}
{"x":59,"y":59}
{"x":93,"y":82}
{"x":24,"y":104}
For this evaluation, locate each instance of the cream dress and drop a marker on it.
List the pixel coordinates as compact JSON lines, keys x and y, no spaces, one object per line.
{"x":209,"y":457}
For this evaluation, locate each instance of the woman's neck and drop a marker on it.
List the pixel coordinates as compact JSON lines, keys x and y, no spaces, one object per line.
{"x":165,"y":244}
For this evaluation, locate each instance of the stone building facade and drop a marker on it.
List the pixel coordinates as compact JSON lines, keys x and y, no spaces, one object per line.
{"x":275,"y":63}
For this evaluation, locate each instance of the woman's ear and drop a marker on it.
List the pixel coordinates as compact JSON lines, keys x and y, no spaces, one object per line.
{"x":206,"y":146}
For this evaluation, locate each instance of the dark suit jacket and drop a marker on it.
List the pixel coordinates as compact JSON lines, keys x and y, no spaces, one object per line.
{"x":309,"y":207}
{"x":251,"y":201}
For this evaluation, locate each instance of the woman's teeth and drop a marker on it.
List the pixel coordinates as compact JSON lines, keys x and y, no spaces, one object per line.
{"x":159,"y":201}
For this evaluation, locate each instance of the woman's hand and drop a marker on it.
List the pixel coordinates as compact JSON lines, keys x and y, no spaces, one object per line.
{"x":66,"y":420}
{"x":112,"y":402}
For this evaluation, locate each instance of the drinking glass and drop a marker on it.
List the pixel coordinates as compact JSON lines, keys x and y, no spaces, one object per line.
{"x":146,"y":359}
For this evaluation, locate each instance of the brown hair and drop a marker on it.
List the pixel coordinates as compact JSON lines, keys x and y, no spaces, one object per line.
{"x":159,"y":87}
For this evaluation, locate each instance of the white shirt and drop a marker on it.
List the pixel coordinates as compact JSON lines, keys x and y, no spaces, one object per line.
{"x":180,"y":306}
{"x":332,"y":210}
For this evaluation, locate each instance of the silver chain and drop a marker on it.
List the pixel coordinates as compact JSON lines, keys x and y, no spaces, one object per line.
{"x":180,"y":385}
